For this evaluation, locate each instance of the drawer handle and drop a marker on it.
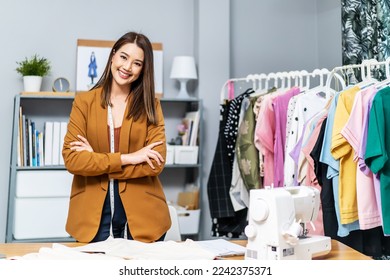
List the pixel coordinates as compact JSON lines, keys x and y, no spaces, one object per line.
{"x":183,"y":214}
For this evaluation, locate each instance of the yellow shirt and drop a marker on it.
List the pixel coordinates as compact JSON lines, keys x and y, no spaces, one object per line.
{"x":342,"y":150}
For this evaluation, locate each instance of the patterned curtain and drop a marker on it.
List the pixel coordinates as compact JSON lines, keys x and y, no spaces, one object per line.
{"x":365,"y":31}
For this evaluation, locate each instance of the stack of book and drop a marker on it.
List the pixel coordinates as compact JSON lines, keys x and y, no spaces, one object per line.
{"x":40,"y":147}
{"x":191,"y":121}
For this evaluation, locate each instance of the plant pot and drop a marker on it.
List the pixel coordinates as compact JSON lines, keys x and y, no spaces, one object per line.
{"x":32,"y":83}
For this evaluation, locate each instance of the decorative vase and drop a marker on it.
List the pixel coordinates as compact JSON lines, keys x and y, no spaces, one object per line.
{"x":32,"y":83}
{"x":179,"y":140}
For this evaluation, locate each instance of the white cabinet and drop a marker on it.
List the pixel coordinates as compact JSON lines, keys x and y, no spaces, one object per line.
{"x":47,"y":199}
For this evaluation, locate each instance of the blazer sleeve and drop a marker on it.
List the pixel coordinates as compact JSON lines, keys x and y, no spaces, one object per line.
{"x":85,"y":163}
{"x":155,"y":133}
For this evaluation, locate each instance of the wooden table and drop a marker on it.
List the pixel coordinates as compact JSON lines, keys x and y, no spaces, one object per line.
{"x":339,"y":250}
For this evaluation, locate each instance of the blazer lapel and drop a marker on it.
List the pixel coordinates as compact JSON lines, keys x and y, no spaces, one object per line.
{"x":101,"y":127}
{"x":124,"y":142}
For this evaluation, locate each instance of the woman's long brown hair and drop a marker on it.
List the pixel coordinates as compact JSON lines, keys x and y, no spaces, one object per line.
{"x":142,"y":97}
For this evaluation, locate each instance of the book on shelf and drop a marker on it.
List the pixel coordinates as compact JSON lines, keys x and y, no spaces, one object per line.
{"x":41,"y":157}
{"x":29,"y":137}
{"x":19,"y":160}
{"x":33,"y":144}
{"x":20,"y":138}
{"x":48,"y":143}
{"x":25,"y":141}
{"x":40,"y":148}
{"x":56,"y":143}
{"x":63,"y":129}
{"x":192,"y":121}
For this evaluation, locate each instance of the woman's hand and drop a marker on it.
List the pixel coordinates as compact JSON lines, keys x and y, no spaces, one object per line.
{"x":82,"y":145}
{"x":146,"y":154}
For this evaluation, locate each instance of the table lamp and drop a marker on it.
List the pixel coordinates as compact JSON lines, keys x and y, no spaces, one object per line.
{"x":183,"y":69}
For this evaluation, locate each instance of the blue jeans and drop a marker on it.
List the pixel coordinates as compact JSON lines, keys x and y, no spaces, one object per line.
{"x":118,"y":220}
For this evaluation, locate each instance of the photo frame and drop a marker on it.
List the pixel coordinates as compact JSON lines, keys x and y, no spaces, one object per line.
{"x":92,"y":57}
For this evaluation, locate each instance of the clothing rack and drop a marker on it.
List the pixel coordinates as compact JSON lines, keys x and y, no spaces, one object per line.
{"x":287,"y":79}
{"x":296,"y":78}
{"x":365,"y":67}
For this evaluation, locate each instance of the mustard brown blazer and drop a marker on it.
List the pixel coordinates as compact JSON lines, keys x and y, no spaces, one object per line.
{"x":139,"y":186}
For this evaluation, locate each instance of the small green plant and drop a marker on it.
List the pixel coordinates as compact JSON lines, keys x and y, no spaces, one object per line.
{"x":35,"y":66}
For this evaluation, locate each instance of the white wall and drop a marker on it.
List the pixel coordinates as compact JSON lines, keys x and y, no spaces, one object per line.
{"x":329,"y":33}
{"x":230,"y":38}
{"x":279,"y":35}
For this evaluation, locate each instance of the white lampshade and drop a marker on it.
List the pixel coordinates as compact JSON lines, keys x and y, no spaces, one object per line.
{"x":183,"y":67}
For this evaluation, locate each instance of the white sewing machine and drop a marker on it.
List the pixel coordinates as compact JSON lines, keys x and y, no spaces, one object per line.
{"x":276,"y":224}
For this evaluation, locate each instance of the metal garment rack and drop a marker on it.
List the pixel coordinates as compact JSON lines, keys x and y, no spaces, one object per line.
{"x":261,"y":82}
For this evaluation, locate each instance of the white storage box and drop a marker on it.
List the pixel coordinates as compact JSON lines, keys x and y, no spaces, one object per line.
{"x":170,"y":154}
{"x":40,"y":217}
{"x":41,"y":204}
{"x":189,"y":221}
{"x":186,"y":154}
{"x":45,"y":183}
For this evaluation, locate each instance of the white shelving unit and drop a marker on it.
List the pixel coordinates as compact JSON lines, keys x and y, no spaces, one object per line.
{"x":38,"y":196}
{"x":176,"y":176}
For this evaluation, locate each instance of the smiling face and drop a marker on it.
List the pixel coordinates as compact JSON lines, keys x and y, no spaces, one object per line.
{"x":126,"y":66}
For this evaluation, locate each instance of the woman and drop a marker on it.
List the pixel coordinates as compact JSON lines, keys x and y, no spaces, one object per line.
{"x":115,"y":147}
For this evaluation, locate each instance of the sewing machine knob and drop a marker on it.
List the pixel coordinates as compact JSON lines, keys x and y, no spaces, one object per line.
{"x":260,"y":210}
{"x":250,"y":231}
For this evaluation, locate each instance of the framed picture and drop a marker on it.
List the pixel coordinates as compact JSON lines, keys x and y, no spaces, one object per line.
{"x":92,"y":57}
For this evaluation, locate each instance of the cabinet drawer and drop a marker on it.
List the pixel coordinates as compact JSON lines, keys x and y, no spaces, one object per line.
{"x":40,"y":218}
{"x":45,"y":183}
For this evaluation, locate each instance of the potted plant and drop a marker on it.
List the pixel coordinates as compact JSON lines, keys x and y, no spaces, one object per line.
{"x":33,"y":70}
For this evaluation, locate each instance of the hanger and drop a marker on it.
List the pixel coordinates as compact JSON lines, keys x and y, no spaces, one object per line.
{"x":302,"y":85}
{"x":386,"y":81}
{"x":252,"y":78}
{"x":259,"y":89}
{"x":270,"y":76}
{"x":261,"y":77}
{"x":229,"y":85}
{"x":277,"y":77}
{"x":367,"y":79}
{"x":291,"y":78}
{"x":321,"y":73}
{"x":283,"y":77}
{"x":296,"y":77}
{"x":325,"y":82}
{"x":340,"y":79}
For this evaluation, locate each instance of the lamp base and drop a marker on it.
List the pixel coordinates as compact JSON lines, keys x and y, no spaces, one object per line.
{"x":183,"y":94}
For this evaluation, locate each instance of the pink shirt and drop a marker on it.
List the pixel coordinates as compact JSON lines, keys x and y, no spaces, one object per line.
{"x":362,"y":149}
{"x":264,"y":138}
{"x":280,"y":105}
{"x":310,"y":178}
{"x":368,"y":212}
